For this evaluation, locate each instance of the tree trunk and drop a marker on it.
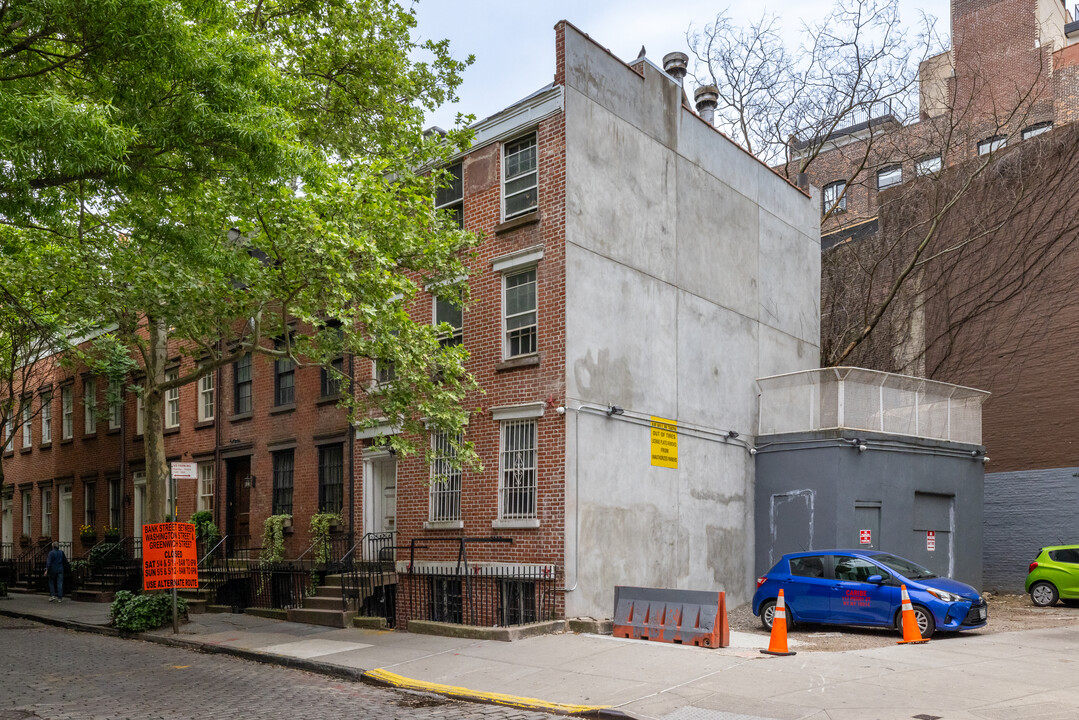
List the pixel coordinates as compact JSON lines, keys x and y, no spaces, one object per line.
{"x":153,"y":437}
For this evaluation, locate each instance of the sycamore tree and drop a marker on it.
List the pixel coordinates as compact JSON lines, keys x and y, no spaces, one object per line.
{"x":238,"y":177}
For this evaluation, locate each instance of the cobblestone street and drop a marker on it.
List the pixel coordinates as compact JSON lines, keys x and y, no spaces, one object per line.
{"x":56,"y":674}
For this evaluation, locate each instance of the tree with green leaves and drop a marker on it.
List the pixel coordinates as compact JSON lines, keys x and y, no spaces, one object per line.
{"x":234,"y":178}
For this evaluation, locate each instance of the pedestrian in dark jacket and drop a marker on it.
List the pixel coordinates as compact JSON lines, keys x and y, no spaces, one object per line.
{"x":54,"y":571}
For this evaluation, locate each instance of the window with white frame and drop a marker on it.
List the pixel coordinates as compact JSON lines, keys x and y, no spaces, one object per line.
{"x":445,"y":493}
{"x":67,"y":413}
{"x":116,"y":403}
{"x":26,"y":512}
{"x":889,"y":177}
{"x":520,"y":178}
{"x":928,"y":165}
{"x":447,"y":312}
{"x":833,"y":196}
{"x":517,"y":470}
{"x":46,"y":511}
{"x":9,"y":432}
{"x":140,"y":419}
{"x":206,"y":486}
{"x":27,"y":423}
{"x":450,"y":199}
{"x":992,"y":144}
{"x":241,"y":382}
{"x":519,"y":304}
{"x":89,"y":405}
{"x":46,"y":419}
{"x":385,"y":371}
{"x":172,"y":401}
{"x":1037,"y":129}
{"x":206,"y":397}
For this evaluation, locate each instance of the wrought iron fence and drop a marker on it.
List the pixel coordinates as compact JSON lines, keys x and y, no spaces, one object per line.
{"x":489,"y":595}
{"x":482,"y":595}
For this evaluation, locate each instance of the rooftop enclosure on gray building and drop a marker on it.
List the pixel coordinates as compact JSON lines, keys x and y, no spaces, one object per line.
{"x":691,"y":270}
{"x":843,"y":451}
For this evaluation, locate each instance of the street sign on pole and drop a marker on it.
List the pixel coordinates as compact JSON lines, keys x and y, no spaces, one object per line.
{"x":184,"y":470}
{"x":169,"y":560}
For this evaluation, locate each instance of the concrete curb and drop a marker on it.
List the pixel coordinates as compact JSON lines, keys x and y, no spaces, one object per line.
{"x":381,"y":678}
{"x":389,"y":679}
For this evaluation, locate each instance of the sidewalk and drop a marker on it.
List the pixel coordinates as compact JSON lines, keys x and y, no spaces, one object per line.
{"x":1003,"y":676}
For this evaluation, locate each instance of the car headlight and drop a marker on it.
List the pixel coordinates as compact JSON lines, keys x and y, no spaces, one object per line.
{"x":943,"y":595}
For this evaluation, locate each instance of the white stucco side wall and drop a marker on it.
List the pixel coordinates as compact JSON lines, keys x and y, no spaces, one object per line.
{"x":691,"y":270}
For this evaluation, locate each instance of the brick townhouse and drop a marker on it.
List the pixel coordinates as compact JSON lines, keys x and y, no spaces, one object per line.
{"x":638,"y":271}
{"x":1005,"y":94}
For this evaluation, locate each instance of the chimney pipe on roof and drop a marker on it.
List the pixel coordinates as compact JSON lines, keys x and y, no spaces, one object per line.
{"x":707,"y":98}
{"x":675,"y":64}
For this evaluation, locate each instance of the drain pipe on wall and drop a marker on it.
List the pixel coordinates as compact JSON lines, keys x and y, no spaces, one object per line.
{"x":576,"y":495}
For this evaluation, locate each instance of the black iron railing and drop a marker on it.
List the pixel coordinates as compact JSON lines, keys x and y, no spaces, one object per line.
{"x":489,"y":595}
{"x":369,"y":578}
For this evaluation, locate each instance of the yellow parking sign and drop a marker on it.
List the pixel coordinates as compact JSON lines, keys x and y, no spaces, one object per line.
{"x":664,"y":442}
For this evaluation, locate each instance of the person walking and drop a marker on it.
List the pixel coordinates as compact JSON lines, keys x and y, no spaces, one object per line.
{"x":54,"y":571}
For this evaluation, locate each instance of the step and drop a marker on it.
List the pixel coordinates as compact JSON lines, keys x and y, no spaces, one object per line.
{"x":196,"y":606}
{"x":94,"y":596}
{"x":317,"y":602}
{"x":328,"y":618}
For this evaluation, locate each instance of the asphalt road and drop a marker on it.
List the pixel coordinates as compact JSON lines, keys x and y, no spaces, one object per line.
{"x":55,"y":674}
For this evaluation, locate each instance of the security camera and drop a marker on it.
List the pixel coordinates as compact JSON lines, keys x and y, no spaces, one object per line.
{"x":753,"y":451}
{"x":862,"y":447}
{"x":560,"y":410}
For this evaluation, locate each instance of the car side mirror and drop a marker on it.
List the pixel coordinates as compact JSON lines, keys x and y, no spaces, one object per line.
{"x":875,"y":579}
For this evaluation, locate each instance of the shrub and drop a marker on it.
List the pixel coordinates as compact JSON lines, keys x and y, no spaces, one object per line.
{"x":273,"y":538}
{"x":137,"y":613}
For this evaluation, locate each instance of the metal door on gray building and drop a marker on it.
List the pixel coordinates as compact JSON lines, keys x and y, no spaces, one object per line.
{"x":934,"y":518}
{"x":791,"y":519}
{"x":866,"y":526}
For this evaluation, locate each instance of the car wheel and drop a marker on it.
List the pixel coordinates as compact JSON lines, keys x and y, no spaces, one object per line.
{"x":926,"y":624}
{"x":768,"y":613}
{"x":1043,"y":594}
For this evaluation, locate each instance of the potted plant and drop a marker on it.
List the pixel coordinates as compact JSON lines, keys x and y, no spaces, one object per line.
{"x":24,"y":541}
{"x":273,"y":537}
{"x":112,"y":534}
{"x":88,"y":534}
{"x":322,"y":524}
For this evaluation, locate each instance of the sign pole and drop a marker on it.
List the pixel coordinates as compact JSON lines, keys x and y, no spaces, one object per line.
{"x":175,"y":611}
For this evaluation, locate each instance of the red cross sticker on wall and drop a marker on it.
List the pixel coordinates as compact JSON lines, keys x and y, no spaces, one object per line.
{"x":865,"y":537}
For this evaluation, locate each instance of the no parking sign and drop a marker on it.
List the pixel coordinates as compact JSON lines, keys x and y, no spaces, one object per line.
{"x":930,"y":540}
{"x":865,"y":537}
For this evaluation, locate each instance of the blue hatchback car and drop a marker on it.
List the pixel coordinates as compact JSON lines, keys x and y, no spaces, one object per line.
{"x":856,"y":587}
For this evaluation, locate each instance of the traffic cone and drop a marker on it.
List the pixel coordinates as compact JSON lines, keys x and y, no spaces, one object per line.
{"x":777,"y":644}
{"x":911,"y":633}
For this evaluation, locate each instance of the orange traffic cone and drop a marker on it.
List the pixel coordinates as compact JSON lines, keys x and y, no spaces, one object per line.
{"x":911,"y":633}
{"x":777,"y":644}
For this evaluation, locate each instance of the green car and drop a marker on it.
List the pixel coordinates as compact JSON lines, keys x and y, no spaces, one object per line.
{"x":1054,"y":575}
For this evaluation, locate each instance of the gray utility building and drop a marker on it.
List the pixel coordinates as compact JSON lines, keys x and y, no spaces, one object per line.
{"x":854,"y":458}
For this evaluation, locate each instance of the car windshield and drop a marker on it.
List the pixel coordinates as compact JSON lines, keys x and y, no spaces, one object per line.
{"x":904,"y":567}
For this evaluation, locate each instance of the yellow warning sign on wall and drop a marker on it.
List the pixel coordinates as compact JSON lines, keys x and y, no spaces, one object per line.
{"x":664,"y":442}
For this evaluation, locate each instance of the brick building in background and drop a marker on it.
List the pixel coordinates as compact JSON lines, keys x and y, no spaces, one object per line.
{"x":989,"y":305}
{"x":638,"y":272}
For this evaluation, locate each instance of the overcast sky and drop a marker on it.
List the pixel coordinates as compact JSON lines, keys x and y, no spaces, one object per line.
{"x":513,"y":41}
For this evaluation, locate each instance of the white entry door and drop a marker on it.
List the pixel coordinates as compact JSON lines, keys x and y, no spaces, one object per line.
{"x":63,"y":516}
{"x":8,"y":550}
{"x":380,"y":494}
{"x":139,"y":510}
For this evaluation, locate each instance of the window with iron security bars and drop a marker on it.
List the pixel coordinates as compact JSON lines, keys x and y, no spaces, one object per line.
{"x":517,"y":470}
{"x":445,"y":480}
{"x":517,"y":601}
{"x":331,"y":479}
{"x":284,"y":463}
